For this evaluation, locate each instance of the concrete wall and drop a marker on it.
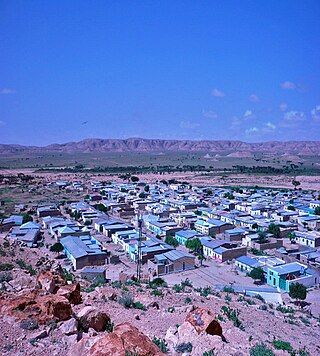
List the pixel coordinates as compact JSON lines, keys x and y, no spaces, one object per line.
{"x":273,"y":243}
{"x":234,"y":253}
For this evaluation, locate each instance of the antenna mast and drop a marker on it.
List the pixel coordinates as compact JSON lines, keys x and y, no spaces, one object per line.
{"x":139,"y":259}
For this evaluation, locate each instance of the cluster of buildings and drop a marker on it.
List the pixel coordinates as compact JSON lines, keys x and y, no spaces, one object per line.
{"x":231,"y":225}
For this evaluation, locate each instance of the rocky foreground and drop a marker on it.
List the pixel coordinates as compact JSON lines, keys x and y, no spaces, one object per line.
{"x":48,"y":315}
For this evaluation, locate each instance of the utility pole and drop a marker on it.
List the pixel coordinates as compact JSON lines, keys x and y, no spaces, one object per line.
{"x":139,"y":260}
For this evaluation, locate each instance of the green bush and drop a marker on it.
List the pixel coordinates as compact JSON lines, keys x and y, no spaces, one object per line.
{"x":126,"y":300}
{"x":161,"y":343}
{"x":282,"y":345}
{"x":157,"y":292}
{"x":178,"y":288}
{"x":285,"y":310}
{"x":188,"y":300}
{"x":138,"y":305}
{"x":6,"y":266}
{"x":116,"y":284}
{"x":109,"y":327}
{"x":186,"y":283}
{"x":232,"y":315}
{"x":184,"y":347}
{"x":261,"y":349}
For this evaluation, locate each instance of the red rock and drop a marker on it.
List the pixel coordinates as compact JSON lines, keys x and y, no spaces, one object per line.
{"x":50,"y":281}
{"x":90,"y":317}
{"x":203,"y":320}
{"x":71,"y":292}
{"x":125,"y":338}
{"x":43,"y":308}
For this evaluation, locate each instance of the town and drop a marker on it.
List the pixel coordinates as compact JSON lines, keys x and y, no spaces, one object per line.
{"x":212,"y":236}
{"x":257,"y":243}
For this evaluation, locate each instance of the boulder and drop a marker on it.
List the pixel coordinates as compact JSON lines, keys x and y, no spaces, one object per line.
{"x":90,"y":317}
{"x":42,"y":308}
{"x":123,"y":340}
{"x":203,"y":320}
{"x":112,"y":296}
{"x":50,"y":281}
{"x":70,"y":327}
{"x":154,"y":305}
{"x":71,"y":292}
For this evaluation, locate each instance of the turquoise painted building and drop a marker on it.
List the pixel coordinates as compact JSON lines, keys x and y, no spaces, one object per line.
{"x":281,"y":276}
{"x":183,"y":236}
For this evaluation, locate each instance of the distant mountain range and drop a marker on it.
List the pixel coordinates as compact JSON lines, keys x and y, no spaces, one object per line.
{"x":158,"y":145}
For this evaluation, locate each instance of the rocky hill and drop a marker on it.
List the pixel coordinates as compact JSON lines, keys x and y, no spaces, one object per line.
{"x":41,"y":313}
{"x":158,"y":145}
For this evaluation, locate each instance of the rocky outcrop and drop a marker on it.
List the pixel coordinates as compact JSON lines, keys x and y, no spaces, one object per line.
{"x":201,"y":329}
{"x":123,"y":340}
{"x":90,"y":317}
{"x":70,"y":327}
{"x":50,"y":281}
{"x":203,"y":320}
{"x":42,"y":308}
{"x":71,"y":292}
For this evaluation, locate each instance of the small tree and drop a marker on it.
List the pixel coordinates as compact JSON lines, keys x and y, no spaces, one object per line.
{"x":134,"y":179}
{"x":257,"y":274}
{"x":26,"y":218}
{"x":262,"y":235}
{"x":57,"y":247}
{"x":194,"y":245}
{"x":146,"y":188}
{"x":274,"y":230}
{"x":298,"y":292}
{"x":170,"y":240}
{"x":295,"y":183}
{"x":255,"y":226}
{"x":317,"y":210}
{"x":291,"y":236}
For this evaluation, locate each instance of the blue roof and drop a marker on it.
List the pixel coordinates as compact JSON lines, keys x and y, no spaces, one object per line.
{"x":220,"y":250}
{"x":81,"y":246}
{"x":247,"y":261}
{"x":188,"y":234}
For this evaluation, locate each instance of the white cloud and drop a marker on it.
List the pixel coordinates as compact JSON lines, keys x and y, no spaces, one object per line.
{"x":252,"y":131}
{"x":315,"y":113}
{"x":189,"y":125}
{"x":209,"y":114}
{"x":254,"y":98}
{"x":248,"y":114}
{"x":283,"y":107}
{"x":293,"y":118}
{"x":288,"y":85}
{"x":2,"y":123}
{"x":217,"y":93}
{"x":5,"y":91}
{"x":270,"y":126}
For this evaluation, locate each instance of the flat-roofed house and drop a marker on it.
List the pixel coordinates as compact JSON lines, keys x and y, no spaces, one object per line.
{"x":170,"y":262}
{"x":83,"y":251}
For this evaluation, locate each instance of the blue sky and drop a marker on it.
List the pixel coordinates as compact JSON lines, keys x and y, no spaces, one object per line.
{"x":240,"y":70}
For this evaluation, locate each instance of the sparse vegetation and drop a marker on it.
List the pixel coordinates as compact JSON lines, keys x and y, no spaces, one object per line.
{"x":184,"y":347}
{"x":161,"y":343}
{"x":232,"y":315}
{"x":261,"y":349}
{"x":282,"y":345}
{"x":29,"y":324}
